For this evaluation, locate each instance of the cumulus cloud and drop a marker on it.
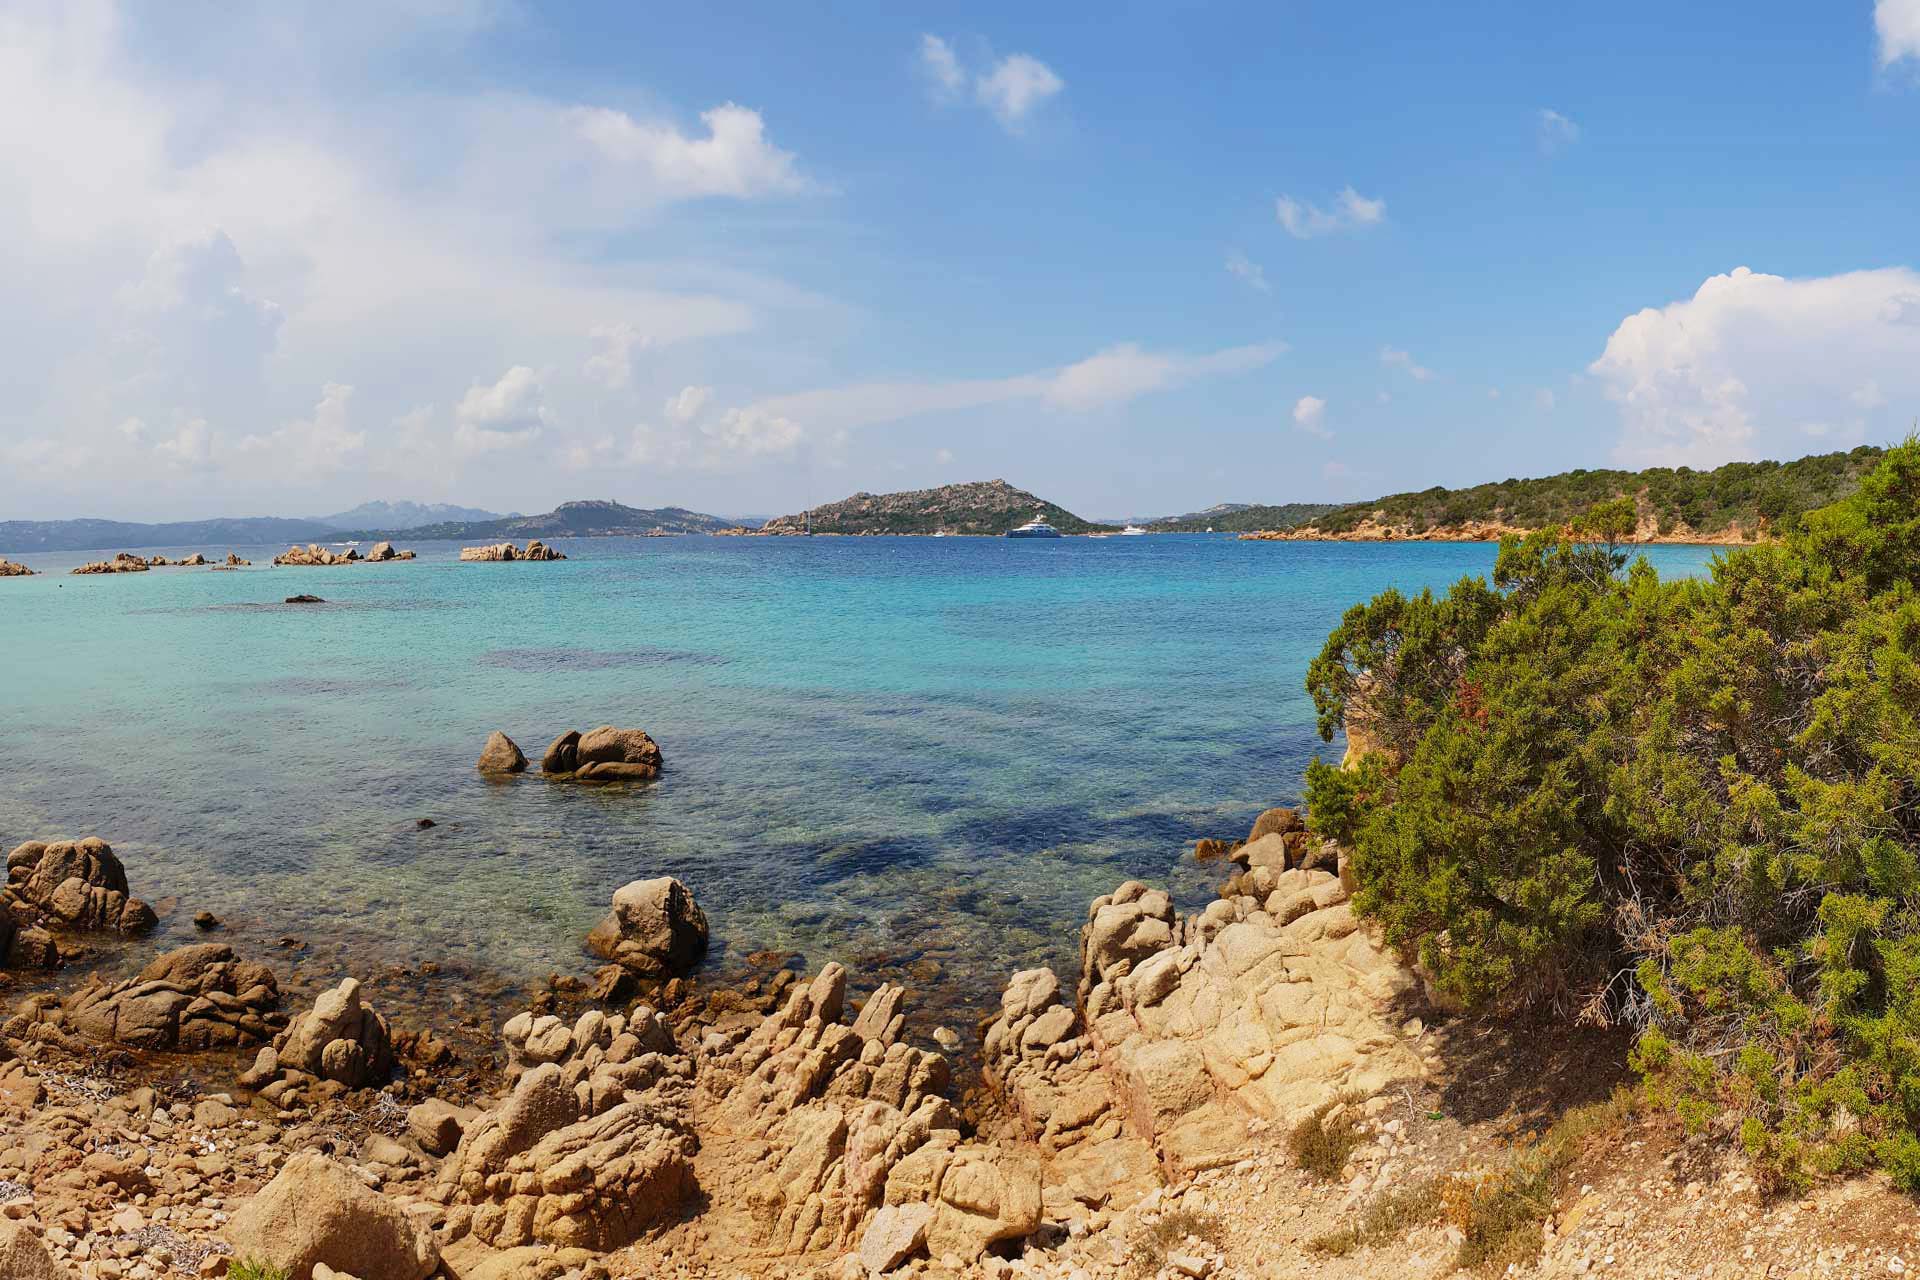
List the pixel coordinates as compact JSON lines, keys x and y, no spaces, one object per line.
{"x":1310,"y":415}
{"x":1238,"y":264}
{"x":685,"y":406}
{"x":1010,"y":88}
{"x":1394,"y":358}
{"x":210,"y":247}
{"x":1350,"y":211}
{"x":500,"y":415}
{"x":1753,"y":365}
{"x":612,"y":365}
{"x":1897,"y":23}
{"x":1554,"y":131}
{"x":317,"y":444}
{"x":734,"y":157}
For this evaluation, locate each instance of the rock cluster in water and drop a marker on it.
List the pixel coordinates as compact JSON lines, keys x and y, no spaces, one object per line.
{"x":534,"y":550}
{"x":315,"y":554}
{"x":124,"y":562}
{"x":605,"y":754}
{"x":76,"y":885}
{"x":8,"y":569}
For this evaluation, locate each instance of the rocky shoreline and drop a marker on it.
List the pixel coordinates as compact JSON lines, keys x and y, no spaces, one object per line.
{"x":1648,"y":534}
{"x":1142,"y":1118}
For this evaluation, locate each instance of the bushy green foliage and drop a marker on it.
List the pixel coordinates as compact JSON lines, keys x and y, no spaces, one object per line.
{"x":1707,"y":502}
{"x":1693,"y":806}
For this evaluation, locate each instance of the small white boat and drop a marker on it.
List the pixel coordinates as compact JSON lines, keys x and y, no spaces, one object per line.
{"x":1034,"y":528}
{"x":1132,"y":531}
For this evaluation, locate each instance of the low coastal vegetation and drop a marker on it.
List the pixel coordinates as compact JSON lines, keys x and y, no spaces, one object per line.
{"x":1237,"y":517}
{"x":1690,"y":807}
{"x":1740,"y":497}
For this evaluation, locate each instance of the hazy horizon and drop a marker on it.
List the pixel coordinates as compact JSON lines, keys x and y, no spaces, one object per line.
{"x":470,"y":251}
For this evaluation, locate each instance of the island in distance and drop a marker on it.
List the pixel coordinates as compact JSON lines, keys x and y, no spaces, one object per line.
{"x":1738,"y":502}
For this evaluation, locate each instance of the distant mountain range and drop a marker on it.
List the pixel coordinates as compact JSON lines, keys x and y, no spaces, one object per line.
{"x":589,"y":519}
{"x":406,"y":515}
{"x":979,"y":507}
{"x":370,"y":521}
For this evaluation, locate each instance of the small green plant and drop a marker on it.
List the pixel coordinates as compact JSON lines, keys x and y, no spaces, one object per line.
{"x":255,"y":1269}
{"x":1322,"y":1142}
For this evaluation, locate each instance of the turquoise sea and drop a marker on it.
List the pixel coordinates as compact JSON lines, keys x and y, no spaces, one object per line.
{"x":919,"y":756}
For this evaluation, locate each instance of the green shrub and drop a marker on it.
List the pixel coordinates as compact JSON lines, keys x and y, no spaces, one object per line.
{"x":1693,"y":806}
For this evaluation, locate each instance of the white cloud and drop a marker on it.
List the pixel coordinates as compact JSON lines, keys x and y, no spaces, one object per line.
{"x":1543,"y":400}
{"x":612,"y":365}
{"x":1394,"y":358}
{"x":208,"y":247}
{"x":1310,"y":415}
{"x":1253,"y":273}
{"x":733,"y":159}
{"x":1554,"y":131}
{"x":944,"y":457}
{"x":507,"y":412}
{"x":316,"y":445}
{"x":1106,"y":378}
{"x":1897,"y":23}
{"x":1015,"y":86}
{"x":1010,"y":88}
{"x":1737,"y":370}
{"x":942,"y":65}
{"x":1350,"y":211}
{"x":685,"y":406}
{"x":190,"y":446}
{"x":751,"y":430}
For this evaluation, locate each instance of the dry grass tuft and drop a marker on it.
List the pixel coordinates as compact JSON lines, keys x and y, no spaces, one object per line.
{"x":1322,"y":1142}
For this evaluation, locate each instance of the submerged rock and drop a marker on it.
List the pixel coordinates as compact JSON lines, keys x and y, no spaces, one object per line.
{"x":654,"y":930}
{"x":501,"y":755}
{"x":562,"y":754}
{"x":611,"y":755}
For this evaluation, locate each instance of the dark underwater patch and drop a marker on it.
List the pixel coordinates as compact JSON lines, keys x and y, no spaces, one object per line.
{"x":548,"y":661}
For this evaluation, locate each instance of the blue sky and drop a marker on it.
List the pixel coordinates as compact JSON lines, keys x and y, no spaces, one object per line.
{"x":1137,"y":258}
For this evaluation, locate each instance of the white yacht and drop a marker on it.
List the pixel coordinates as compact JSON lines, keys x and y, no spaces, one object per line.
{"x":1034,"y":528}
{"x":1132,"y":531}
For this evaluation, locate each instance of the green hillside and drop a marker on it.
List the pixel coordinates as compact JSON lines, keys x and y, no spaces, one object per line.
{"x":1707,"y":502}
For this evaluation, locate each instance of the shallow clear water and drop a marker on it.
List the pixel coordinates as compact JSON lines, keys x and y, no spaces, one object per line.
{"x":921,"y":757}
